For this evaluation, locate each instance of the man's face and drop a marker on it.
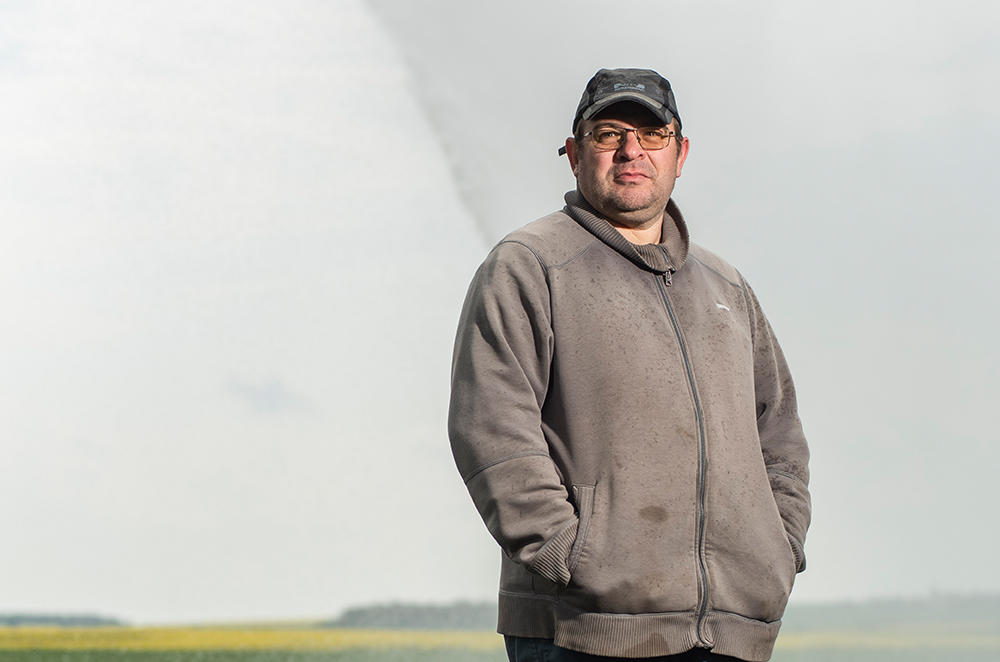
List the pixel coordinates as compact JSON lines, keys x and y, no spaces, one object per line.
{"x":630,"y":186}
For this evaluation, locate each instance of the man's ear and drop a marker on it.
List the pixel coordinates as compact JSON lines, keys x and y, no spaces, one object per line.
{"x":682,"y":154}
{"x":572,"y":154}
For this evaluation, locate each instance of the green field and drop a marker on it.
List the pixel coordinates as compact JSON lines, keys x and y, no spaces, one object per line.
{"x":452,"y":655}
{"x":348,"y":655}
{"x":874,"y":650}
{"x":943,"y":629}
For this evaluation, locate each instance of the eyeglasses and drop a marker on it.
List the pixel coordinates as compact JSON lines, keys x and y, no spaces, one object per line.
{"x":607,"y":138}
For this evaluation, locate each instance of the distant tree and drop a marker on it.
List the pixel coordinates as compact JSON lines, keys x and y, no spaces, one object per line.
{"x":398,"y":616}
{"x":58,"y":620}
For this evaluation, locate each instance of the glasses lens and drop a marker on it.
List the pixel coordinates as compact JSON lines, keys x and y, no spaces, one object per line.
{"x":653,"y":138}
{"x":607,"y":138}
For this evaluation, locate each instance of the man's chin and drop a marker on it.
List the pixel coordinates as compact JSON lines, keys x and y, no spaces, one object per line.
{"x":632,"y":204}
{"x":637,"y":218}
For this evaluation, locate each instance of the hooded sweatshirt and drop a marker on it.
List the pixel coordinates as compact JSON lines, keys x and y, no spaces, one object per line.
{"x":625,"y":422}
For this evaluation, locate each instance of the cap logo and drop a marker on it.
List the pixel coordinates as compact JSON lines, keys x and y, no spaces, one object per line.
{"x":630,"y":86}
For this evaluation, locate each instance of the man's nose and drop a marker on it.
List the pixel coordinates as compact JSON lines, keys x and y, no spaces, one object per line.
{"x":630,"y":147}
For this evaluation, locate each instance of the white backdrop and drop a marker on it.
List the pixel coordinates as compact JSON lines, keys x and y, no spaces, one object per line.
{"x":232,"y":262}
{"x":235,"y":236}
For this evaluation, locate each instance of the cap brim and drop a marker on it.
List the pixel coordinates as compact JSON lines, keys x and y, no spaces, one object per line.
{"x":658,"y":109}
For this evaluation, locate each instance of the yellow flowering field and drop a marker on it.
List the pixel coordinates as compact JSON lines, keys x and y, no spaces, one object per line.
{"x":304,"y":644}
{"x":208,"y":638}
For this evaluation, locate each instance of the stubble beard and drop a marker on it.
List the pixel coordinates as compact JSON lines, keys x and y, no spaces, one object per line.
{"x":632,"y":206}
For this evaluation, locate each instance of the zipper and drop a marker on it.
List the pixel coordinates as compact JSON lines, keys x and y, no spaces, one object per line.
{"x":702,"y":465}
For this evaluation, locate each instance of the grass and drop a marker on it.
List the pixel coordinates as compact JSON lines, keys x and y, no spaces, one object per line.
{"x":209,"y":639}
{"x":459,"y":655}
{"x":346,"y":655}
{"x":126,"y":644}
{"x":885,"y":655}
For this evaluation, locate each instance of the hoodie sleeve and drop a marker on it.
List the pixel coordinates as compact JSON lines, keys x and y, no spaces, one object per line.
{"x":782,"y":441}
{"x":500,"y":376}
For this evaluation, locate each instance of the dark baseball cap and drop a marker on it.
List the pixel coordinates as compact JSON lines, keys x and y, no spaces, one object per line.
{"x":643,"y":86}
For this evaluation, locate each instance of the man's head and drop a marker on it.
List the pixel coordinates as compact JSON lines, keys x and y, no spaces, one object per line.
{"x":630,"y":182}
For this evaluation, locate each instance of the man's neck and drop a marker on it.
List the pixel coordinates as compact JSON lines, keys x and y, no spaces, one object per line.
{"x":649,"y":234}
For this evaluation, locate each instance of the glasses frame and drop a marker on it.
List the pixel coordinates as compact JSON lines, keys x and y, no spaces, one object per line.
{"x":624,"y":137}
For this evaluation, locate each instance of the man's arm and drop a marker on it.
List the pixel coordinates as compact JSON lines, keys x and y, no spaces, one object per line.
{"x":500,"y":375}
{"x":782,"y":441}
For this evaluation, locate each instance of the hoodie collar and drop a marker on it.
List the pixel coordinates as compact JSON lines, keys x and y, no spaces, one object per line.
{"x":667,"y":256}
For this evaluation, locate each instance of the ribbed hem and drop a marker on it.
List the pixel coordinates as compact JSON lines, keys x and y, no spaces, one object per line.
{"x":627,"y":635}
{"x":552,"y":560}
{"x":738,"y":636}
{"x":798,"y":553}
{"x":522,"y":615}
{"x":634,"y":635}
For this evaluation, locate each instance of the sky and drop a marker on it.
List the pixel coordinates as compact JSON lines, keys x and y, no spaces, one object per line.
{"x":235,"y":238}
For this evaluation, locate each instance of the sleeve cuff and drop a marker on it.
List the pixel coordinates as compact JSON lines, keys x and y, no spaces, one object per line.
{"x":552,"y":560}
{"x":798,"y":553}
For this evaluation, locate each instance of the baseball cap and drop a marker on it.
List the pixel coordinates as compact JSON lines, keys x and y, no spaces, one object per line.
{"x":644,"y":86}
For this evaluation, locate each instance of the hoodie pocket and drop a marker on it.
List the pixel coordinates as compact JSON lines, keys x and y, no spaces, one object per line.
{"x":584,"y":497}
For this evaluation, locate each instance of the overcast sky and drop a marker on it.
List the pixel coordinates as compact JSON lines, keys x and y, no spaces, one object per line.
{"x":235,"y":237}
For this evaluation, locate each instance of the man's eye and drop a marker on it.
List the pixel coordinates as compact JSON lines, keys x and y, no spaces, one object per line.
{"x":607,"y":135}
{"x":654,"y":133}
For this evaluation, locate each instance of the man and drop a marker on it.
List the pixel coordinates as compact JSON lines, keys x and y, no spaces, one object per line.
{"x":623,"y":416}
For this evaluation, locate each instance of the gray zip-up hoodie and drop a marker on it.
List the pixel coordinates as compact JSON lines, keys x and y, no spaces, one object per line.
{"x":626,"y":424}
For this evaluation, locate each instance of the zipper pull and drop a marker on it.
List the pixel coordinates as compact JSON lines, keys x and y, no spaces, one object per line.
{"x":667,"y":277}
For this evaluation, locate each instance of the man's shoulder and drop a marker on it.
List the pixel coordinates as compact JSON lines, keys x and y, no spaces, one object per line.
{"x":554,"y":239}
{"x":713,"y":263}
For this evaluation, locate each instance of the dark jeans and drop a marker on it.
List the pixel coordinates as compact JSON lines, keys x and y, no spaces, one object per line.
{"x":522,"y":649}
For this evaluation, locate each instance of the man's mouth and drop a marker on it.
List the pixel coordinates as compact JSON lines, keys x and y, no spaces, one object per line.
{"x":631,"y":176}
